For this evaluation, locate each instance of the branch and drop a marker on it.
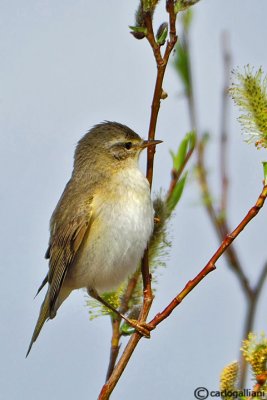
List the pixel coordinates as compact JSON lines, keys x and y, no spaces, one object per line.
{"x":210,"y":266}
{"x":158,"y":90}
{"x":120,"y":367}
{"x":224,"y":114}
{"x":115,"y":346}
{"x":116,"y":335}
{"x":219,"y":223}
{"x":161,"y":67}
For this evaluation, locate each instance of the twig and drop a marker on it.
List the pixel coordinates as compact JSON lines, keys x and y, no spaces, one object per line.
{"x":224,"y":114}
{"x":148,"y":296}
{"x":219,"y":223}
{"x":161,"y":68}
{"x":116,"y":335}
{"x":175,"y":176}
{"x":129,"y":292}
{"x":115,"y":345}
{"x":219,"y":219}
{"x":120,"y":367}
{"x":210,"y":266}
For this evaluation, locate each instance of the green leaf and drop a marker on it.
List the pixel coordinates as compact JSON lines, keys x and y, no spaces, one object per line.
{"x":187,"y":19}
{"x":181,"y":154}
{"x":138,"y":29}
{"x":187,"y":144}
{"x":192,"y":138}
{"x":177,"y":193}
{"x":264,"y":163}
{"x":182,"y":5}
{"x":182,"y":66}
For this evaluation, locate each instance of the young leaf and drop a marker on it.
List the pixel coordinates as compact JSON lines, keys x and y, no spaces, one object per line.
{"x":264,"y":163}
{"x":187,"y":144}
{"x":182,"y":5}
{"x":177,"y":193}
{"x":181,"y":63}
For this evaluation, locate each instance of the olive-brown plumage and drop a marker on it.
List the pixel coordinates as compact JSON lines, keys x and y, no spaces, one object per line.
{"x":103,"y":220}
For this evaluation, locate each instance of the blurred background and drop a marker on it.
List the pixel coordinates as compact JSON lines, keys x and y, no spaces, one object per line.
{"x":66,"y":66}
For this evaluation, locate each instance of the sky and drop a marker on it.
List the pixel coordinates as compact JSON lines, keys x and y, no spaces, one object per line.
{"x":66,"y":66}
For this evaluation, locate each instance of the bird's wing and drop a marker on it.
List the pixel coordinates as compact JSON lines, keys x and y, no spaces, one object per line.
{"x":64,"y":245}
{"x":65,"y":241}
{"x":62,"y":248}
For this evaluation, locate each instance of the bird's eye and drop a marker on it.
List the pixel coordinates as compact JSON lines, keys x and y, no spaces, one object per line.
{"x":128,"y":145}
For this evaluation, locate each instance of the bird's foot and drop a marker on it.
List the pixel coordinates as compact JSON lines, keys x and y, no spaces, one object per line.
{"x":143,"y":328}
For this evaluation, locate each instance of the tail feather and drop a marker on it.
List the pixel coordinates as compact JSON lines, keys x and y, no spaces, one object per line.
{"x":44,"y":315}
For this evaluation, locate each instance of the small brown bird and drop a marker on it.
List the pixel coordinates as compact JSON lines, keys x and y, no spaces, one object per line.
{"x":103,"y":220}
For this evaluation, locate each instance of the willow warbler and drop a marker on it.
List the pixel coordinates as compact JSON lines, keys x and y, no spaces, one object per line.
{"x":103,"y":220}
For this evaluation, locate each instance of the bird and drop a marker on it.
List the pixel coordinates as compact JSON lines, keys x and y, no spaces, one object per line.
{"x":103,"y":220}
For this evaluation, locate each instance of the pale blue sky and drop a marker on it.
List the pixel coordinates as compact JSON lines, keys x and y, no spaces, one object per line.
{"x":66,"y":66}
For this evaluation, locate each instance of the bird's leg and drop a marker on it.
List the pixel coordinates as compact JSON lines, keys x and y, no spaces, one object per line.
{"x":142,"y":328}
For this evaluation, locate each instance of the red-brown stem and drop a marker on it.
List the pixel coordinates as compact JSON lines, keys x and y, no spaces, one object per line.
{"x":220,"y":224}
{"x":211,"y":264}
{"x":120,"y":367}
{"x":116,"y":335}
{"x":115,"y":346}
{"x":148,"y":297}
{"x":161,"y":67}
{"x":224,"y":114}
{"x":128,"y":292}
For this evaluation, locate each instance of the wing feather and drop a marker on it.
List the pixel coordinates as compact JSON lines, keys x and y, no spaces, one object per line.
{"x":69,"y":225}
{"x":64,"y":246}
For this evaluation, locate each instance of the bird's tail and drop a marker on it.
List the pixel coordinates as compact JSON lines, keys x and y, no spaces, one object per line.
{"x":43,"y":316}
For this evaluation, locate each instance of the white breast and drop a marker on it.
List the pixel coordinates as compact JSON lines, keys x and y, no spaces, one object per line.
{"x":123,"y":223}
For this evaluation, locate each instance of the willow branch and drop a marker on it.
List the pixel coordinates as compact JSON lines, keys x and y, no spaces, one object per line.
{"x":210,"y":266}
{"x":161,"y":68}
{"x":115,"y":345}
{"x":120,"y":367}
{"x":224,"y":114}
{"x":218,"y":222}
{"x":116,"y":335}
{"x":148,"y":297}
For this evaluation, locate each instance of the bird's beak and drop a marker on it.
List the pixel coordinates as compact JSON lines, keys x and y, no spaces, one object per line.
{"x":147,"y":143}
